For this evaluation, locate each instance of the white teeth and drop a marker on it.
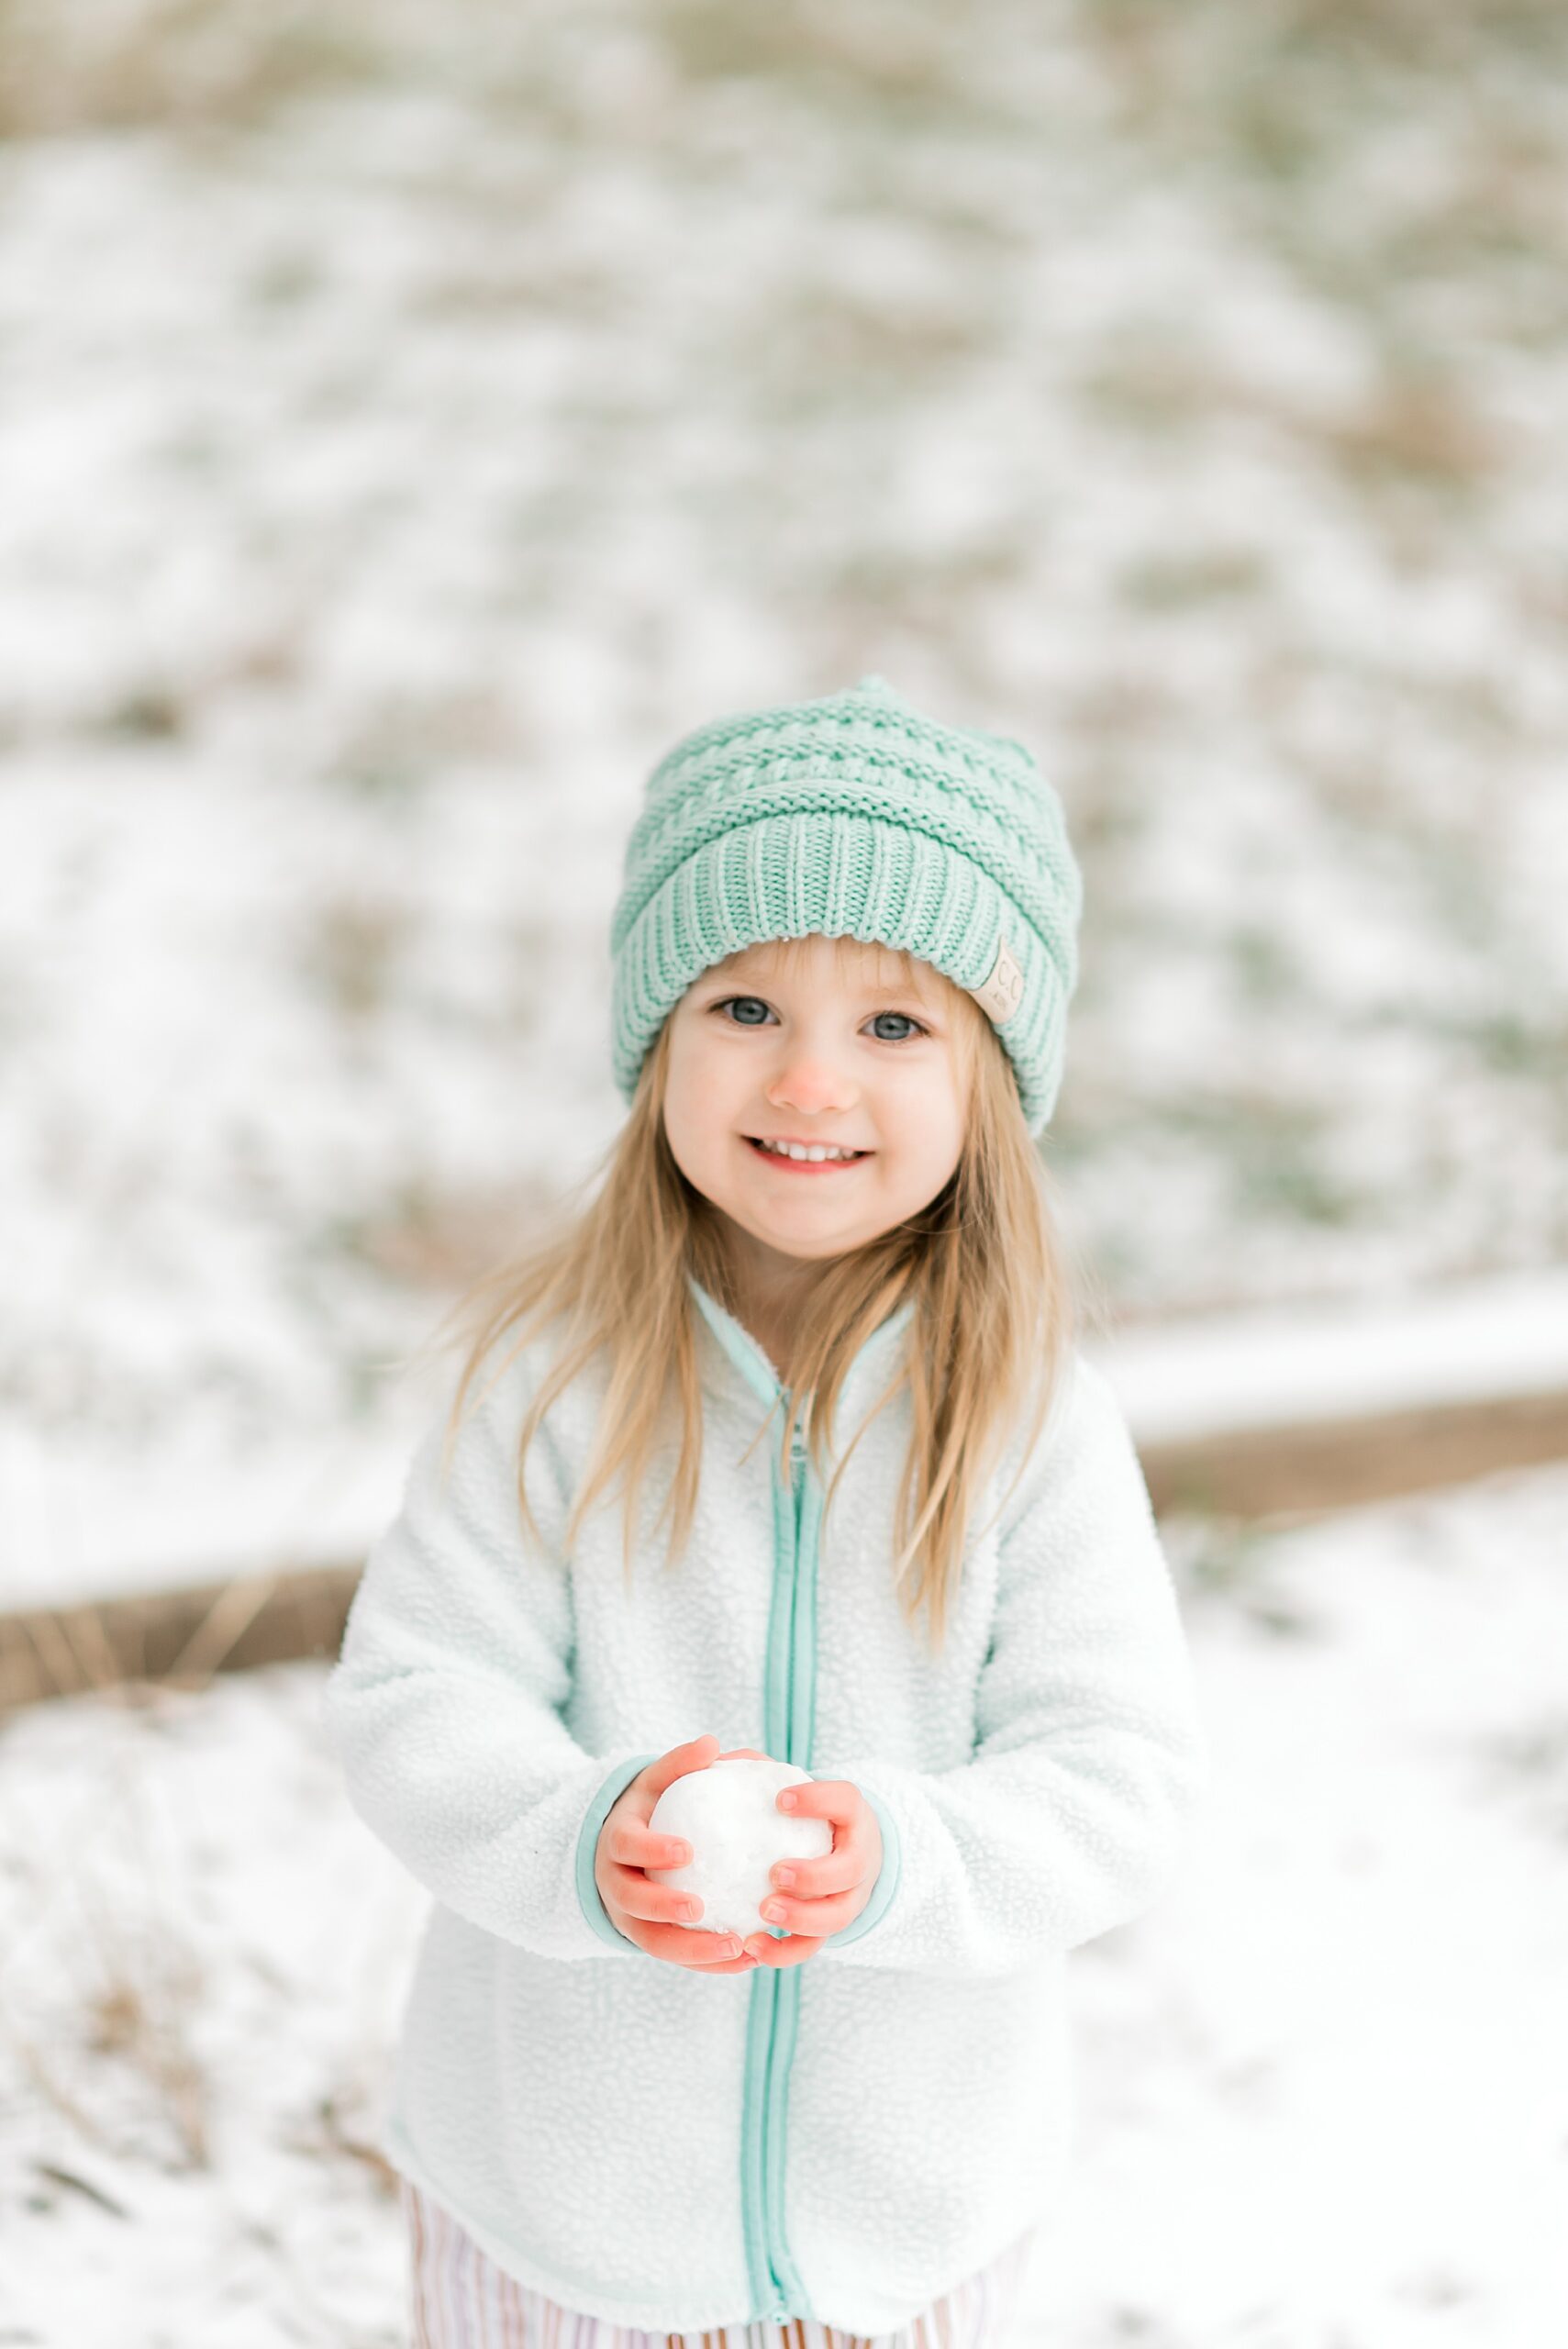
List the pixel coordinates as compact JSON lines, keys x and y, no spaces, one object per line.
{"x":816,"y":1151}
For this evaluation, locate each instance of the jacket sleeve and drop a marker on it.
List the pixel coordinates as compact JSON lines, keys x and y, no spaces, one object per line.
{"x":1089,"y":1752}
{"x":444,"y":1705}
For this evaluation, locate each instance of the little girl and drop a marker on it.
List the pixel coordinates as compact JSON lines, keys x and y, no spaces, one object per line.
{"x":818,"y":1314}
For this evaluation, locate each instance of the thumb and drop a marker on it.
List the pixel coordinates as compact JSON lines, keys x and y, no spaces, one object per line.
{"x":678,"y":1762}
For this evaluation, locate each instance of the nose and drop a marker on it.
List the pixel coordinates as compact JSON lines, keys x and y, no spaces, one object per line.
{"x":812,"y":1087}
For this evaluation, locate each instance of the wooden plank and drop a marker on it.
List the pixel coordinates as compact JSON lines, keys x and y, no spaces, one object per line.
{"x":180,"y":1638}
{"x":177,"y":1637}
{"x":1317,"y":1465}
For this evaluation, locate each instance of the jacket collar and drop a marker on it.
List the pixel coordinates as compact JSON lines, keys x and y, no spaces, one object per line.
{"x":873,"y":1362}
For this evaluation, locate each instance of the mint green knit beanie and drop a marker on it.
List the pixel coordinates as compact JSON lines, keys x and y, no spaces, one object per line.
{"x":854,"y":814}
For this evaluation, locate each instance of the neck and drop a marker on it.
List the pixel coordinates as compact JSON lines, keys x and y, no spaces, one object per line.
{"x":771,"y":1289}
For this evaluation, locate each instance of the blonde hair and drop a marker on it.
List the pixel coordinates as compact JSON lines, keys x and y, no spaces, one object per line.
{"x":993,"y":1322}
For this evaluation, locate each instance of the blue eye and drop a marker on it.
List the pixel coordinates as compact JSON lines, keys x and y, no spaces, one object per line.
{"x":725,"y":1003}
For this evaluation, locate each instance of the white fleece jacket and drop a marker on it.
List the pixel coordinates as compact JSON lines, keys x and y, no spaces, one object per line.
{"x":842,"y":2139}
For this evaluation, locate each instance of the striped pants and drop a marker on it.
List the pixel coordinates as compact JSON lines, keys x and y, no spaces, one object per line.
{"x":461,"y":2299}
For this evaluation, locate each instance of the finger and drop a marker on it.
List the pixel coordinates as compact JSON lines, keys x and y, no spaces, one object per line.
{"x":793,"y":1950}
{"x":819,"y":1918}
{"x":698,"y":1949}
{"x":836,"y":1799}
{"x":690,"y":1950}
{"x":637,"y":1845}
{"x":661,"y":1903}
{"x":839,"y":1870}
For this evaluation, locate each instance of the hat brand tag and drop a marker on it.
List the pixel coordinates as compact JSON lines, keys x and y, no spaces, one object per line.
{"x":1000,"y":995}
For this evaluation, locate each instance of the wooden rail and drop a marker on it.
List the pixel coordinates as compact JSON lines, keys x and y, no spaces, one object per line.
{"x":1315,"y":1465}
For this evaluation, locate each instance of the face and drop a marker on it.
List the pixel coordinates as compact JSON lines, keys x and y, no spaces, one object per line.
{"x":814,"y":1039}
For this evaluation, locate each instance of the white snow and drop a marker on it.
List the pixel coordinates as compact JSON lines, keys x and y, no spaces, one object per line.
{"x":1469,"y":1343}
{"x":728,"y":1814}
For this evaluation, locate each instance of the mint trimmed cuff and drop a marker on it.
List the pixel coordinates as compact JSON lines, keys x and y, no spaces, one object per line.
{"x":598,"y":1810}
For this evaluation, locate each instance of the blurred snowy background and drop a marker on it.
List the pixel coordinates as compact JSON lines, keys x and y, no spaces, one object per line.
{"x":411,"y":419}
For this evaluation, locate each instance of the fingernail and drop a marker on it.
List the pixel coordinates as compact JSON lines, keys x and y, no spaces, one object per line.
{"x":788,"y":1801}
{"x":786,"y":1877}
{"x":774,"y":1912}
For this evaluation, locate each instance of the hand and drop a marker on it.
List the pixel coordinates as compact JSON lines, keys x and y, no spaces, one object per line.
{"x":830,"y":1893}
{"x":627,"y":1848}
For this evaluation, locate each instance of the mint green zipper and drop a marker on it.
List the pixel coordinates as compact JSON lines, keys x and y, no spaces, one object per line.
{"x":789,"y":1709}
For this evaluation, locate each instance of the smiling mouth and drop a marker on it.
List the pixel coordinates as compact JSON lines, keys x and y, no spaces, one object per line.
{"x":804,"y":1166}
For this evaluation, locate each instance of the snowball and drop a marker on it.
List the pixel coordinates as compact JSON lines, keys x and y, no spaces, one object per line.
{"x":729,"y":1815}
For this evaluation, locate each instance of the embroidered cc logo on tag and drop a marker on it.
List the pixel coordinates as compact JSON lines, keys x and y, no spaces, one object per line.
{"x":1001,"y":993}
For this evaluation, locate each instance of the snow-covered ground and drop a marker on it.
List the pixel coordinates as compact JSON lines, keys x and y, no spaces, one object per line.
{"x":1322,"y":2085}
